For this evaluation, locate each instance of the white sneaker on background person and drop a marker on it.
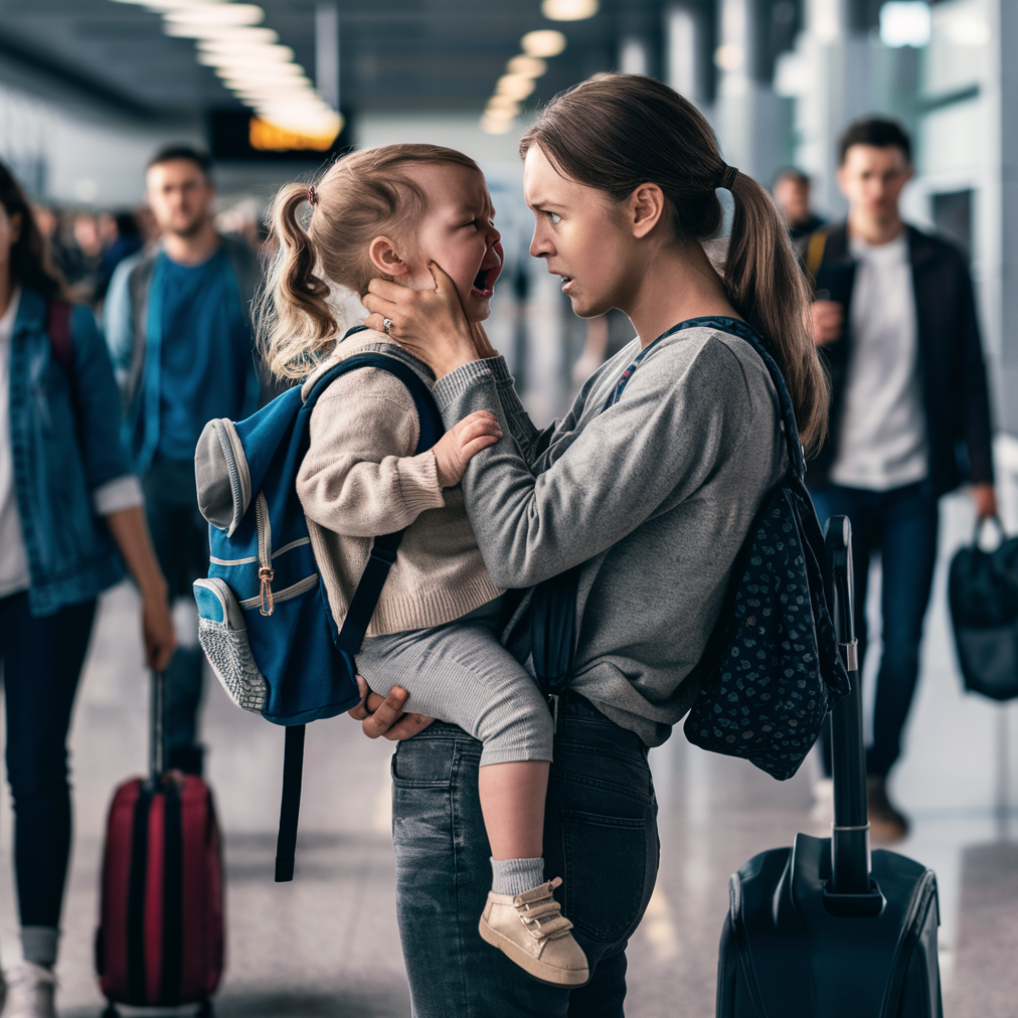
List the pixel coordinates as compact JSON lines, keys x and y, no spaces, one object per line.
{"x":822,"y":812}
{"x":31,"y":990}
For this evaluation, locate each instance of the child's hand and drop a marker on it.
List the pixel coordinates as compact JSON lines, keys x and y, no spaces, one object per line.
{"x":461,"y":443}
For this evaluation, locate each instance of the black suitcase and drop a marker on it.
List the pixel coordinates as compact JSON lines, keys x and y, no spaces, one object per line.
{"x":816,"y":931}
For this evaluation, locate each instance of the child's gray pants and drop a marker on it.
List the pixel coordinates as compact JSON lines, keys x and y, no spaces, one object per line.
{"x":460,"y":673}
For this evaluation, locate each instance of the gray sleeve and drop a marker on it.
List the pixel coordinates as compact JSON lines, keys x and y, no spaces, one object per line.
{"x":531,"y":441}
{"x":681,"y":414}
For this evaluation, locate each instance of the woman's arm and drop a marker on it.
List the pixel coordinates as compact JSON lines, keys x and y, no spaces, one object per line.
{"x":130,"y":531}
{"x":115,"y":492}
{"x":682,"y":412}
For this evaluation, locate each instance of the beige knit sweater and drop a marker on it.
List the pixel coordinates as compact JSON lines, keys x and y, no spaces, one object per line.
{"x":360,"y":479}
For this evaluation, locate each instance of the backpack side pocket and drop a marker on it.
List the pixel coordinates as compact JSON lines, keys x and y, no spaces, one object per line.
{"x":223,"y":636}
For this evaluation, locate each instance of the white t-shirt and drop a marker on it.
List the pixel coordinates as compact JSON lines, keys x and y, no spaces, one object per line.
{"x":14,"y":574}
{"x":882,"y":436}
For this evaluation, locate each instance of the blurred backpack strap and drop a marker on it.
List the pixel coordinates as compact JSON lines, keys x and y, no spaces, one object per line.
{"x":58,"y":325}
{"x":815,"y":255}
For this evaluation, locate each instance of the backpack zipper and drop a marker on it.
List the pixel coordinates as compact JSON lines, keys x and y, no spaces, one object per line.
{"x":265,"y":573}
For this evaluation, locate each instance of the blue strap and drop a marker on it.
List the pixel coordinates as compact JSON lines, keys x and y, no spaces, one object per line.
{"x":383,"y":551}
{"x":735,"y":327}
{"x":369,"y":589}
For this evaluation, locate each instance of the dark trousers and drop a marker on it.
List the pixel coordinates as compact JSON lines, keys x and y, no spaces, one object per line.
{"x":42,"y":661}
{"x":180,"y":536}
{"x":600,"y":836}
{"x":901,"y":527}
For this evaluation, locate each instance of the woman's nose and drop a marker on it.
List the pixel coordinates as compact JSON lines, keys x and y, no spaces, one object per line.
{"x":538,"y":244}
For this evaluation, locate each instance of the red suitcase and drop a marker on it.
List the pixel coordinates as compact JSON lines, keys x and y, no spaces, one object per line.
{"x":160,"y":939}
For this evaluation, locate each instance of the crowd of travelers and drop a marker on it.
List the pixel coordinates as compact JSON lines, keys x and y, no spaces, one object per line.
{"x":122,"y":335}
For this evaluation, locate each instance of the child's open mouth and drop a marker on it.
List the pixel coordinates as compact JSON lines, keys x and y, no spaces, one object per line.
{"x":484,"y":282}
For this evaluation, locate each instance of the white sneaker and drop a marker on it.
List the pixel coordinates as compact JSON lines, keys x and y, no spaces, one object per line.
{"x":822,"y":812}
{"x":30,"y":992}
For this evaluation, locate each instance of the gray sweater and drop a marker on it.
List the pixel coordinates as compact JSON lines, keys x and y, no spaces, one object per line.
{"x":655,"y":495}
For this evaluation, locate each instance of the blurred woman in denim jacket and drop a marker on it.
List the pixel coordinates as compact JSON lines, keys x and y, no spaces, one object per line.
{"x":70,"y":518}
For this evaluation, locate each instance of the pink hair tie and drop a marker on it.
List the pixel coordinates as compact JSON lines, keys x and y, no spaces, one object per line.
{"x":312,"y":196}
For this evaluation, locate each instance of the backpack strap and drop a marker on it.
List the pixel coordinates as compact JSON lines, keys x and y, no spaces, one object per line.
{"x":369,"y":589}
{"x":58,"y":325}
{"x":815,"y":254}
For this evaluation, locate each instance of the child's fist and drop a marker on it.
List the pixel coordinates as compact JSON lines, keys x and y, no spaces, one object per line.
{"x":458,"y":446}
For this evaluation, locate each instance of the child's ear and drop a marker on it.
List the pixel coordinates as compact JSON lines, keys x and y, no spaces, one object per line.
{"x":386,"y":259}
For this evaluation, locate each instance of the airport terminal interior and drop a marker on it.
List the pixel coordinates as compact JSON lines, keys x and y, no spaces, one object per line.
{"x":89,"y":89}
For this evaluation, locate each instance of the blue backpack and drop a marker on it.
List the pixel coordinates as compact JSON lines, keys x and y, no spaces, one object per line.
{"x":264,"y":619}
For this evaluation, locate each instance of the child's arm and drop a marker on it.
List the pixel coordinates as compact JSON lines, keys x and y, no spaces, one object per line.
{"x":360,"y":477}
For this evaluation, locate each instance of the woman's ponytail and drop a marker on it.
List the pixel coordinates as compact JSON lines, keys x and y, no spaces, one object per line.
{"x":294,"y":317}
{"x":765,"y":284}
{"x":615,"y":132}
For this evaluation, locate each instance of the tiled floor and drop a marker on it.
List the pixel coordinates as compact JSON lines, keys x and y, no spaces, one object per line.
{"x":326,"y":945}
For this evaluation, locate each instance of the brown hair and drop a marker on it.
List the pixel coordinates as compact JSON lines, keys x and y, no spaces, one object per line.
{"x":615,"y":132}
{"x":30,"y":256}
{"x":361,"y":196}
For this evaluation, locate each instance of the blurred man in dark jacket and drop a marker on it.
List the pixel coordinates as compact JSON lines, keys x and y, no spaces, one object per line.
{"x":895,"y":319}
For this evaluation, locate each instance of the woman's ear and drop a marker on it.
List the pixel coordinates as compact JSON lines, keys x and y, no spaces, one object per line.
{"x":17,"y":221}
{"x":386,"y":259}
{"x":647,"y":206}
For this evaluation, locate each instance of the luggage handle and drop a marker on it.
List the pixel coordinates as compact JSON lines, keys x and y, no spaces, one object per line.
{"x":156,"y":749}
{"x":850,"y":841}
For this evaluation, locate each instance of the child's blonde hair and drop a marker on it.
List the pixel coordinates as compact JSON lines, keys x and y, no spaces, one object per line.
{"x":361,"y":196}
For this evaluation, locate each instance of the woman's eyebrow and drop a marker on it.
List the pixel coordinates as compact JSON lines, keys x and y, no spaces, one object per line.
{"x":538,"y":204}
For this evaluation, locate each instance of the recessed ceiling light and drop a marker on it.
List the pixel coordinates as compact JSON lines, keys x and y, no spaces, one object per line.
{"x":491,"y":125}
{"x":516,"y":86}
{"x":529,"y":67}
{"x":245,"y":55}
{"x":569,"y":10}
{"x":545,"y":43}
{"x":216,"y":14}
{"x":263,"y":72}
{"x":503,"y":102}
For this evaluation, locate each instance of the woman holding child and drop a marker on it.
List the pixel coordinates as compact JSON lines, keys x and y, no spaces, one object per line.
{"x":646,"y":488}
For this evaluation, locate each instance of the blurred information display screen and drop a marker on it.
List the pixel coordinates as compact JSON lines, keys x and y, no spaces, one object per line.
{"x":239,"y":134}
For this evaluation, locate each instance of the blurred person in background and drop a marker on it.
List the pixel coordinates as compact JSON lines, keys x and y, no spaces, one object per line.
{"x":895,"y":320}
{"x":791,"y":190}
{"x":121,"y":239}
{"x":70,"y":517}
{"x":178,"y":326}
{"x":84,"y":257}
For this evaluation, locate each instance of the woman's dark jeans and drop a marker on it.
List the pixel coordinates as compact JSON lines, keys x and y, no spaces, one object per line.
{"x":600,"y":836}
{"x":42,"y":660}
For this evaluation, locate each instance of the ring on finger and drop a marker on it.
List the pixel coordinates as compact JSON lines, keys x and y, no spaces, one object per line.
{"x":386,"y":325}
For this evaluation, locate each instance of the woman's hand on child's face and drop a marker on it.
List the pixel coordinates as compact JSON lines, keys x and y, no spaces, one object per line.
{"x":386,"y":717}
{"x":430,"y":324}
{"x":461,"y":443}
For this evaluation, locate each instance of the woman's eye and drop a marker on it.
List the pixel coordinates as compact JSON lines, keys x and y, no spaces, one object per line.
{"x":554,"y":217}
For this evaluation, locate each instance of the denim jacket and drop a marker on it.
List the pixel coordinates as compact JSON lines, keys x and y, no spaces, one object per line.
{"x":70,"y":468}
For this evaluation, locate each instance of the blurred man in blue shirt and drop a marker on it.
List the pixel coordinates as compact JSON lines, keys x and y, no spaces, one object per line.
{"x":178,"y":327}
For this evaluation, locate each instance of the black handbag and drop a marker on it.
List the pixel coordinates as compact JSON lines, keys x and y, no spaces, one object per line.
{"x":982,"y":591}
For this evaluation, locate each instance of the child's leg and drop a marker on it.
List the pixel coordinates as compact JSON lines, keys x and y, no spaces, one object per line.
{"x":462,"y":674}
{"x":512,"y":800}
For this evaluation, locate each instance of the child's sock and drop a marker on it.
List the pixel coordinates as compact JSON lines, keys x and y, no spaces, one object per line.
{"x":514,"y":876}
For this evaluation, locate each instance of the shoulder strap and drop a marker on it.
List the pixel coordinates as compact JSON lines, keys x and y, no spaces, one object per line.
{"x":383,"y":551}
{"x":365,"y":598}
{"x":58,"y":325}
{"x":815,"y":254}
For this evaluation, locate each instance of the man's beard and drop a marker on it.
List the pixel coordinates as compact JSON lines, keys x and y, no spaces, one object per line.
{"x":191,"y":229}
